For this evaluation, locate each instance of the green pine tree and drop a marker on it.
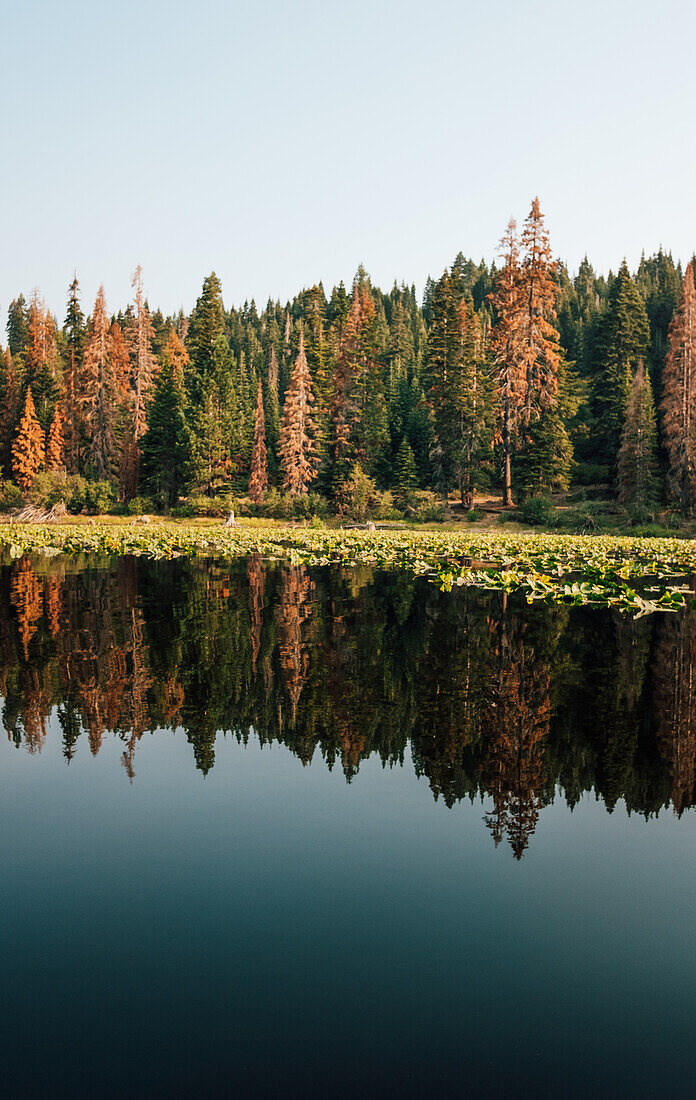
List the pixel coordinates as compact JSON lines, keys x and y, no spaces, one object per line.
{"x":623,"y":337}
{"x":163,"y":445}
{"x":405,"y":474}
{"x":637,"y":461}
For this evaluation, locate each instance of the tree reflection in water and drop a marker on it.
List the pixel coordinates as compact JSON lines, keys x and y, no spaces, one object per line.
{"x":495,"y":700}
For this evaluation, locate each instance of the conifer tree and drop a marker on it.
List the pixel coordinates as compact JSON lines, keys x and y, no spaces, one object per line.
{"x":41,"y":359}
{"x":679,"y":397}
{"x":163,"y":444}
{"x":272,"y":408}
{"x":637,"y":460}
{"x":98,"y":391}
{"x":508,"y":376}
{"x":211,"y":419}
{"x":405,"y":475}
{"x":538,"y":340}
{"x":9,"y":412}
{"x":74,"y":331}
{"x":17,"y":325}
{"x":297,"y":448}
{"x":143,"y":362}
{"x":55,"y":445}
{"x":258,"y":482}
{"x":207,"y":324}
{"x":623,"y":337}
{"x":457,"y":391}
{"x":28,"y":448}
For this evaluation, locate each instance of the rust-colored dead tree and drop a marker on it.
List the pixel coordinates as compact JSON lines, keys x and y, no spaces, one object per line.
{"x":55,"y":444}
{"x":258,"y":481}
{"x":297,"y":445}
{"x":507,"y":370}
{"x":28,"y":449}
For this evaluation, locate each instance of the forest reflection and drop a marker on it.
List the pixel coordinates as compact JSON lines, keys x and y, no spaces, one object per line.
{"x":496,"y":699}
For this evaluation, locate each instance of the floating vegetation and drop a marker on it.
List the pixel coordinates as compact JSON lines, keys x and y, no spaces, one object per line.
{"x":640,"y":575}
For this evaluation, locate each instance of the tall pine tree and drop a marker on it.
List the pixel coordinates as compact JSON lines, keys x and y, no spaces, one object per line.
{"x":679,"y":397}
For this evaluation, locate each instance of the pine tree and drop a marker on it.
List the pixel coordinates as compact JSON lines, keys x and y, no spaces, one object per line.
{"x":143,"y":362}
{"x":529,"y":364}
{"x":679,"y":397}
{"x":258,"y":482}
{"x":55,"y":445}
{"x":213,"y":421}
{"x":508,"y":376}
{"x":272,"y":409}
{"x":28,"y":449}
{"x":163,"y":444}
{"x":297,"y":448}
{"x":457,"y":391}
{"x":41,"y":359}
{"x":637,"y":460}
{"x":537,"y":339}
{"x":17,"y":325}
{"x":9,"y":412}
{"x":623,"y":337}
{"x":405,"y":476}
{"x":98,"y":391}
{"x":207,"y":324}
{"x":74,"y":331}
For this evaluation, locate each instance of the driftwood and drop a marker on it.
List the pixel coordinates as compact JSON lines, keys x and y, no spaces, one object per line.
{"x":230,"y":521}
{"x":31,"y":513}
{"x":141,"y":519}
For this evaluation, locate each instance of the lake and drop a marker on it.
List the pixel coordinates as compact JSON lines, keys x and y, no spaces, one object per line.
{"x":273,"y":830}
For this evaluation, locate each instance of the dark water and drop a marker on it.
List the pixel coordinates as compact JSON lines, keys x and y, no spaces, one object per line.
{"x":268,"y":831}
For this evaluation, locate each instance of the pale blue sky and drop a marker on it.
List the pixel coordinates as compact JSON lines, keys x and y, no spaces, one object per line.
{"x":283,"y":143}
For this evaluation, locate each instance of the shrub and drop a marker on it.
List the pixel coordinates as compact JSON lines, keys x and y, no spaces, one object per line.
{"x":536,"y":511}
{"x":429,"y":508}
{"x":10,"y":496}
{"x":473,"y":515}
{"x":358,"y":495}
{"x":216,"y":507}
{"x":591,"y":473}
{"x":90,"y":496}
{"x":140,"y":506}
{"x":640,"y":514}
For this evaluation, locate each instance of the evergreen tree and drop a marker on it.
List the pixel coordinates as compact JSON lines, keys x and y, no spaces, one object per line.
{"x":207,"y":324}
{"x":272,"y":408}
{"x":28,"y":449}
{"x":17,"y":326}
{"x":508,"y":377}
{"x":98,"y":391}
{"x":623,"y":337}
{"x":9,"y":412}
{"x":297,"y":447}
{"x":143,"y":362}
{"x":457,"y":391}
{"x":405,"y":475}
{"x":637,"y":459}
{"x":212,"y":422}
{"x":55,"y":445}
{"x":258,"y":482}
{"x":679,"y":397}
{"x":74,"y":331}
{"x":162,"y":445}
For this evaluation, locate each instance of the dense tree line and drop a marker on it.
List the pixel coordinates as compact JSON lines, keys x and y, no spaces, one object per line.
{"x":494,"y":698}
{"x":512,"y":375}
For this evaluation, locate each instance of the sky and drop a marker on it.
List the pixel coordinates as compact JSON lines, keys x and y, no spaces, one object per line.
{"x":283,"y":142}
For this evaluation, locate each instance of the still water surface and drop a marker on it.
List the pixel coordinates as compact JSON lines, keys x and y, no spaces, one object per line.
{"x":269,"y":831}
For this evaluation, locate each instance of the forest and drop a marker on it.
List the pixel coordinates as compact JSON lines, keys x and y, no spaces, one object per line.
{"x":511,"y":378}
